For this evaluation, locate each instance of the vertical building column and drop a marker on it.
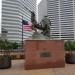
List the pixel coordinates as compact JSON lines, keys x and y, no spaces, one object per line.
{"x":0,"y":14}
{"x":59,"y":22}
{"x":74,"y":17}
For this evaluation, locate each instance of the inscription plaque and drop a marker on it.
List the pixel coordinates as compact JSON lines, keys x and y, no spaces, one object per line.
{"x":45,"y":54}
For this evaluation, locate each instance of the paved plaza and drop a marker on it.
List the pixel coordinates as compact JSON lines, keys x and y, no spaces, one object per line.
{"x":18,"y":69}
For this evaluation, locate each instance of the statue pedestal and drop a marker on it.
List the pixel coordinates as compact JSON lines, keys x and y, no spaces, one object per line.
{"x":40,"y":54}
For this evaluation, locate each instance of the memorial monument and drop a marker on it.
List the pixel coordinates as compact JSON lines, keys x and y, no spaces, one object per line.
{"x":40,"y":50}
{"x":44,"y":27}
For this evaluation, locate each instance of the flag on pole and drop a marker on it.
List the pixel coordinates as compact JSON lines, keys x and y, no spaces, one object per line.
{"x":26,"y":26}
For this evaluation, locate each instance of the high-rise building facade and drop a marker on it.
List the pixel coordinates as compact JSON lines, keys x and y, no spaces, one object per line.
{"x":62,"y":16}
{"x":12,"y":13}
{"x":0,"y":14}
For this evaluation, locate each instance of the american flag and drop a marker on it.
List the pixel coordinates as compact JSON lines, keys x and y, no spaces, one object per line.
{"x":26,"y":26}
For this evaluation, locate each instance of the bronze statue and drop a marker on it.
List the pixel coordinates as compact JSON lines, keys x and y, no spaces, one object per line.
{"x":44,"y":25}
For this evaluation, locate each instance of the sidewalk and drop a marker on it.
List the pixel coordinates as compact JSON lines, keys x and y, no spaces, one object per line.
{"x":18,"y":69}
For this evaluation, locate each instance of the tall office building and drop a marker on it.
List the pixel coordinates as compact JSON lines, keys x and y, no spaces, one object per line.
{"x":12,"y":12}
{"x":0,"y":14}
{"x":62,"y":16}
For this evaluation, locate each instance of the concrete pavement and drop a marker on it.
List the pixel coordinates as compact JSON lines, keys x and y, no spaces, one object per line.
{"x":18,"y":69}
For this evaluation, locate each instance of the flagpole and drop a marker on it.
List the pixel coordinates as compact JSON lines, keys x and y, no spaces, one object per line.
{"x":22,"y":33}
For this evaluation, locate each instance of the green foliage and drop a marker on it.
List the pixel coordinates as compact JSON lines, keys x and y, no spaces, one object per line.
{"x":6,"y":45}
{"x":15,"y":45}
{"x":69,"y":45}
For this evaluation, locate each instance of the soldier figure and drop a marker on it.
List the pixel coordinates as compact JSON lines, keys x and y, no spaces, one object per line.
{"x":46,"y":26}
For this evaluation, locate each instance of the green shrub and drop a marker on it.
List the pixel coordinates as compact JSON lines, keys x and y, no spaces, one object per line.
{"x":69,"y":45}
{"x":15,"y":45}
{"x":6,"y":45}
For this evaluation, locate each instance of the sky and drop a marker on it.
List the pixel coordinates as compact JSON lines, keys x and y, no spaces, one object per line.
{"x":38,"y":1}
